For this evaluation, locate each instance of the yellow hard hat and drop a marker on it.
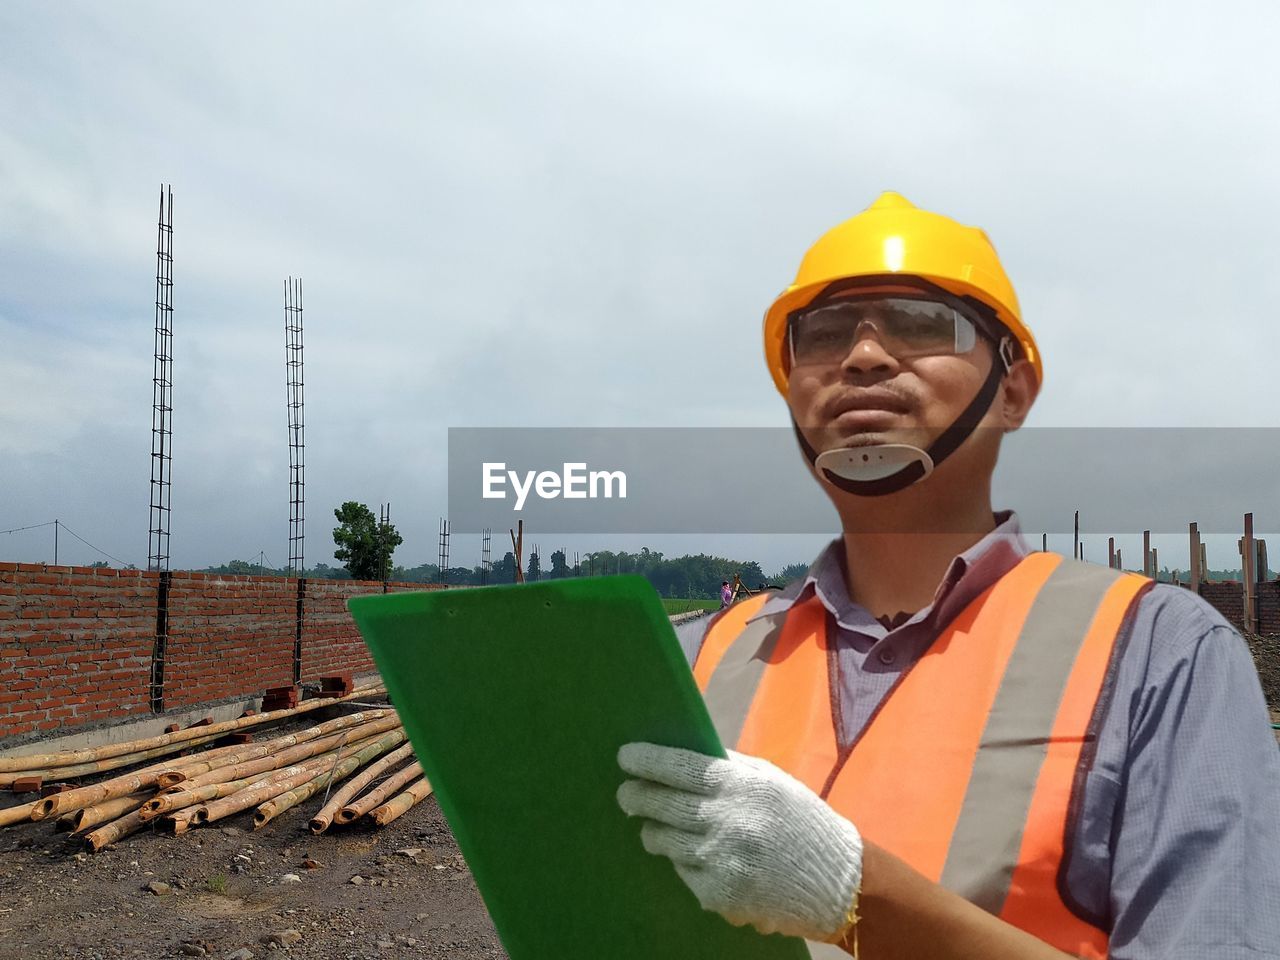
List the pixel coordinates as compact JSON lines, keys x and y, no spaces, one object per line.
{"x":893,"y":236}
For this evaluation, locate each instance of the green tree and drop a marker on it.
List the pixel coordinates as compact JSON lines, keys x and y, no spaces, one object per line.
{"x":559,"y":568}
{"x":504,"y":571}
{"x":364,"y":544}
{"x":533,"y":570}
{"x":792,"y":571}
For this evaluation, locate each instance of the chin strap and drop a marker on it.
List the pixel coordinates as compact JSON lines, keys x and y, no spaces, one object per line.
{"x":947,"y":443}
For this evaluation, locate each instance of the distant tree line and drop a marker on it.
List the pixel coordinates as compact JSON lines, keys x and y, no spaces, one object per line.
{"x":688,"y":576}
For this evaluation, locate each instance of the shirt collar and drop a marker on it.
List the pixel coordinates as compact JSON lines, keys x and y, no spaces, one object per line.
{"x":968,"y":574}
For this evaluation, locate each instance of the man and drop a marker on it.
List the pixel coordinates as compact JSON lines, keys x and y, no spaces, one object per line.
{"x":948,"y":746}
{"x":726,"y":595}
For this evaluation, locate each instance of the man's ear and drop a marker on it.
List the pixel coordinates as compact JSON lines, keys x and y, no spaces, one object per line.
{"x":1018,"y":392}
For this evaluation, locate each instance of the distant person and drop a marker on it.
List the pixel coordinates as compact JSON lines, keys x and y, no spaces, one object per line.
{"x":726,"y":594}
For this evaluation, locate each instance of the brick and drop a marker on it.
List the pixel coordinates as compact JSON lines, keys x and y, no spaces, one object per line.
{"x":27,"y":784}
{"x":339,"y":685}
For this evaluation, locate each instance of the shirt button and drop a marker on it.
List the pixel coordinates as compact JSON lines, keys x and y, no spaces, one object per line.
{"x":887,"y":656}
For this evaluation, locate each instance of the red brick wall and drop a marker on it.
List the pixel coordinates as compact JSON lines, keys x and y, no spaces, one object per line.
{"x":228,"y":636}
{"x":1227,"y":597}
{"x":76,"y":643}
{"x":330,"y":641}
{"x":1269,"y":606}
{"x":75,"y":646}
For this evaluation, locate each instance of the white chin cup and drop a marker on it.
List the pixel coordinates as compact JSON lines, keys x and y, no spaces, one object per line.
{"x":864,"y":464}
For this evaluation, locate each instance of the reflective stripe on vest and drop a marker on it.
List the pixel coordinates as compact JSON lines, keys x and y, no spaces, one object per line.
{"x":966,"y":769}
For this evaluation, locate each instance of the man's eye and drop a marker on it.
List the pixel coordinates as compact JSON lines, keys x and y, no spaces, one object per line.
{"x":825,"y":334}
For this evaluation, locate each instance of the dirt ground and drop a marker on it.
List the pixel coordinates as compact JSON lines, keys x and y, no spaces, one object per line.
{"x":227,"y":893}
{"x":1266,"y":654}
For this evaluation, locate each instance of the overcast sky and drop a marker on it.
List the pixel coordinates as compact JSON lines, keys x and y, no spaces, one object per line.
{"x":574,"y":215}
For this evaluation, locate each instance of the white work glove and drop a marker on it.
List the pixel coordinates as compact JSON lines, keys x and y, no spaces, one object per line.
{"x":753,"y":843}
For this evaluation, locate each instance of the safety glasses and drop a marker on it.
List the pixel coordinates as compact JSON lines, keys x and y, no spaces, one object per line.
{"x":824,"y":333}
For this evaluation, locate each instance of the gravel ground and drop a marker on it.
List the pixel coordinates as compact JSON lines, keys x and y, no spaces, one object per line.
{"x":399,"y":891}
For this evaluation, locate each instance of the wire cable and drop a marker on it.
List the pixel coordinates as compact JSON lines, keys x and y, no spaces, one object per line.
{"x":123,"y":563}
{"x":34,"y":526}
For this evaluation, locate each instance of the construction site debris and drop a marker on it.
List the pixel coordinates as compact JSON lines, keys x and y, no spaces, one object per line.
{"x":204,"y":786}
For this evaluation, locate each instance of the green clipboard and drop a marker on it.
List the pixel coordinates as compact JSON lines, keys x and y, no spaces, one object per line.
{"x":516,"y":699}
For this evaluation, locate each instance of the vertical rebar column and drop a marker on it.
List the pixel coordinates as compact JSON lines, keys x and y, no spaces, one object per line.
{"x":297,"y":439}
{"x":486,"y":563}
{"x":162,"y":391}
{"x":384,"y":556}
{"x":444,"y":549}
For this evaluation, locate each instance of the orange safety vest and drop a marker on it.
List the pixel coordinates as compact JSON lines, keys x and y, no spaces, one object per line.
{"x":968,"y":767}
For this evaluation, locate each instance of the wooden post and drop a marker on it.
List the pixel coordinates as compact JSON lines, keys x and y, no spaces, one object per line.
{"x":1111,"y":552}
{"x":1044,"y":542}
{"x":1197,"y":571}
{"x":1155,"y":564}
{"x":1146,"y":553}
{"x":1119,"y":559}
{"x":517,"y":545}
{"x":1261,"y":568}
{"x":1076,"y":550}
{"x":1247,"y":575}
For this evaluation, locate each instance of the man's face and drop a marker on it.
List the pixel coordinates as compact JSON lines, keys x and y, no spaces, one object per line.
{"x":872,"y":395}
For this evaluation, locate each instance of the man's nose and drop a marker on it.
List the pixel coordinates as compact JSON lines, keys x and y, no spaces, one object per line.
{"x":868,"y":356}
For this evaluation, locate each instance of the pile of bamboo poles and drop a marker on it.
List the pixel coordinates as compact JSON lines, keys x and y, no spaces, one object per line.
{"x":187,"y":789}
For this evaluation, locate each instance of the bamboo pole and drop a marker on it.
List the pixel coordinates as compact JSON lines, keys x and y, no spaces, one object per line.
{"x":379,"y":794}
{"x":180,"y":821}
{"x":208,"y":761}
{"x":321,"y":821}
{"x":59,"y":803}
{"x":291,"y":798}
{"x":17,"y":814}
{"x":105,"y":812}
{"x":253,"y":794}
{"x":291,"y":777}
{"x":399,"y":805}
{"x":180,"y":799}
{"x":113,"y":831}
{"x":343,"y":768}
{"x":107,"y":751}
{"x":104,"y":766}
{"x":239,"y":766}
